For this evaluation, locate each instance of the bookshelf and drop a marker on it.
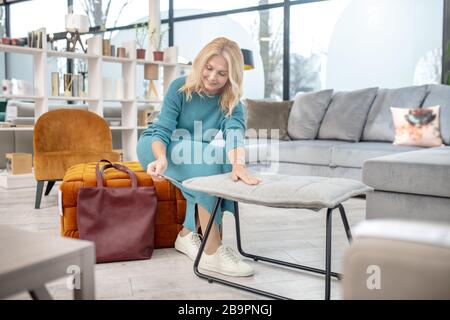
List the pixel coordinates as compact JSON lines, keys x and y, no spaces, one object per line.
{"x":94,"y":99}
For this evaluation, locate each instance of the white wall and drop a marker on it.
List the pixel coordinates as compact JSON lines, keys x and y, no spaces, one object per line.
{"x":381,"y":42}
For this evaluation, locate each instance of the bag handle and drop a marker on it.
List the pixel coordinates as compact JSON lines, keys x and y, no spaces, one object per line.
{"x":99,"y":173}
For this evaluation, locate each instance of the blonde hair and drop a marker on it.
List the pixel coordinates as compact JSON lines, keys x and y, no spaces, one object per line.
{"x":232,"y":90}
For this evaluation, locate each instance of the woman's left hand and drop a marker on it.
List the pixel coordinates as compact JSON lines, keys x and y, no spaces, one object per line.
{"x":240,"y":172}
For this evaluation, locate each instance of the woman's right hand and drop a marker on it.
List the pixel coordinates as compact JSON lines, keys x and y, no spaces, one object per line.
{"x":156,"y":168}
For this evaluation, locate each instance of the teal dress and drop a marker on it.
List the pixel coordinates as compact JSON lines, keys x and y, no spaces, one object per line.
{"x":187,"y":128}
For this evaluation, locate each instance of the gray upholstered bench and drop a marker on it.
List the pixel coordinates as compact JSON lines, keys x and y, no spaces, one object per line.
{"x":279,"y":191}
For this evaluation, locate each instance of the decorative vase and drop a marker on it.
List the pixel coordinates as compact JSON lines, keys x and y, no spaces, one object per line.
{"x":140,"y":53}
{"x":121,"y":52}
{"x":76,"y":85}
{"x":55,"y":84}
{"x":158,"y":55}
{"x":106,"y":47}
{"x":68,"y":84}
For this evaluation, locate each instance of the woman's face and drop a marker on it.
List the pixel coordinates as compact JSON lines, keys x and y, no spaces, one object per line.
{"x":215,"y":74}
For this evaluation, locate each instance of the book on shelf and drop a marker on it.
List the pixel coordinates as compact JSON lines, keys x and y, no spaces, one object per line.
{"x":36,"y":38}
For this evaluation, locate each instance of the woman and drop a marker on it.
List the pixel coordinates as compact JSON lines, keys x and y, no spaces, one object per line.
{"x":195,"y":108}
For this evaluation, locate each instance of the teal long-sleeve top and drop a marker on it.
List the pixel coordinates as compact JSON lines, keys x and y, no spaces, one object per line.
{"x":180,"y":117}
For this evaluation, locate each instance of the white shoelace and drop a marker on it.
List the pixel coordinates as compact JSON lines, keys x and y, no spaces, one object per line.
{"x":195,"y":239}
{"x":230,"y":254}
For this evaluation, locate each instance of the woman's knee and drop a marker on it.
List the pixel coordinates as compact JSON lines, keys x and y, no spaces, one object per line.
{"x":144,"y":151}
{"x":191,"y":152}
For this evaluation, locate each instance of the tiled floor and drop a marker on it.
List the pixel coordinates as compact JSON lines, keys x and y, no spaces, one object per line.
{"x":289,"y":234}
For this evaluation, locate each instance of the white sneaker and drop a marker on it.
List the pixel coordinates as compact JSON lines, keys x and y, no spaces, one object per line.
{"x":188,"y":244}
{"x":227,"y":262}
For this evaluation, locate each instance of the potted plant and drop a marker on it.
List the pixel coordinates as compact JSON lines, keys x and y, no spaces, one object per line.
{"x":141,"y":35}
{"x":158,"y":54}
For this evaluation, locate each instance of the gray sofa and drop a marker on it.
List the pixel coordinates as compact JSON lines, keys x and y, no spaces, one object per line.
{"x":409,"y":182}
{"x":412,"y":185}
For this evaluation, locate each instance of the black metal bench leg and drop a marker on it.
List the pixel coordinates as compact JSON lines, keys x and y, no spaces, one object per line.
{"x":327,"y":272}
{"x":205,"y":238}
{"x":238,"y":232}
{"x":345,"y":222}
{"x":212,"y":279}
{"x":328,"y":254}
{"x":279,"y":262}
{"x":39,"y":189}
{"x":50,"y":185}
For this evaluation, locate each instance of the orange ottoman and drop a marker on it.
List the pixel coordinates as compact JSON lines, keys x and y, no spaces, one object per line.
{"x":170,"y":210}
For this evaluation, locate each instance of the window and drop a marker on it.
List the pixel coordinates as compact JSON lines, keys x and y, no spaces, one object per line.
{"x":164,"y":9}
{"x":2,"y":21}
{"x":191,"y":7}
{"x":346,"y":45}
{"x":259,"y":31}
{"x":111,"y":13}
{"x":37,"y":14}
{"x":312,"y":26}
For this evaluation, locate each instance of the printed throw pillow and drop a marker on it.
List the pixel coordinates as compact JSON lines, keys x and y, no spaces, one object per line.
{"x":417,"y":127}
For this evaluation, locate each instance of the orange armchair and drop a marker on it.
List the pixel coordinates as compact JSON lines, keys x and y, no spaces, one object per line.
{"x":66,"y":137}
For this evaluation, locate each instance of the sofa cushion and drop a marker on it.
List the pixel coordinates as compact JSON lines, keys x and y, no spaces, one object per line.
{"x":346,"y":115}
{"x":440,"y":95}
{"x":267,"y":115}
{"x":425,"y":172}
{"x":256,"y":150}
{"x":352,"y":155}
{"x":317,"y":152}
{"x":283,"y":191}
{"x":379,"y":125}
{"x":307,"y":114}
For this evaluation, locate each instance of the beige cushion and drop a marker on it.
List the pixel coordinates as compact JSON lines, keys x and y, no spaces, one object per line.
{"x":417,"y":127}
{"x":401,"y":269}
{"x":282,"y":191}
{"x":267,"y":115}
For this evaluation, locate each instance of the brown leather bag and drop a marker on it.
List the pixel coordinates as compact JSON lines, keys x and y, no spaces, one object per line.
{"x":120,"y":221}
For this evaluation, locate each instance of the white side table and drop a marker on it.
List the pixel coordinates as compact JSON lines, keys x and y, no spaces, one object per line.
{"x":28,"y":260}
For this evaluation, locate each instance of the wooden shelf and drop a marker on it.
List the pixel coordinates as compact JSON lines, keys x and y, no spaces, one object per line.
{"x":119,"y":100}
{"x":72,"y":98}
{"x":117,"y":60}
{"x":19,"y":49}
{"x":96,"y":65}
{"x":162,"y":63}
{"x":71,"y":55}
